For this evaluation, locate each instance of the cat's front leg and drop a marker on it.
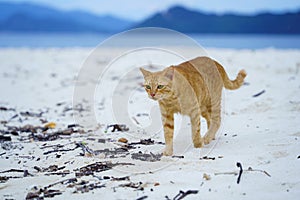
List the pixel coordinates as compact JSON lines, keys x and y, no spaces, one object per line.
{"x":168,"y":122}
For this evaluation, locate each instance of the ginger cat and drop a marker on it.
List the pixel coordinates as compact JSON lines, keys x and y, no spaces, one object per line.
{"x":192,"y":88}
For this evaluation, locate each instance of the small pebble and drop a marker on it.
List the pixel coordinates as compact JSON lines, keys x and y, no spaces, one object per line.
{"x":206,"y":177}
{"x":123,"y":140}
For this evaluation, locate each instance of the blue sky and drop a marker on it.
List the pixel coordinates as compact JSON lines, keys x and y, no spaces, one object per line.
{"x":139,"y":9}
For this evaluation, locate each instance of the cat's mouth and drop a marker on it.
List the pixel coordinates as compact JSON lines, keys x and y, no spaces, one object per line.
{"x":155,"y":98}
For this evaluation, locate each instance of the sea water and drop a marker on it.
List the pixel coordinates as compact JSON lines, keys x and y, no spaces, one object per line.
{"x":235,"y":41}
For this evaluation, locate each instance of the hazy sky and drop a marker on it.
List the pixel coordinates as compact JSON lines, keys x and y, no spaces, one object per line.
{"x":139,"y":9}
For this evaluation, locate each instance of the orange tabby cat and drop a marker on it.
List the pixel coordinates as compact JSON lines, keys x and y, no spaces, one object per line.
{"x":192,"y":88}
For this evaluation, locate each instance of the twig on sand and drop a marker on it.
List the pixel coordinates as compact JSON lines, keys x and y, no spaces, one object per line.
{"x":66,"y":181}
{"x":258,"y":170}
{"x":143,"y":142}
{"x":86,"y":186}
{"x":39,"y":193}
{"x":226,"y":173}
{"x":13,"y":170}
{"x":240,"y":173}
{"x":142,"y":198}
{"x":5,"y":138}
{"x":25,"y":172}
{"x":96,"y":167}
{"x":13,"y":117}
{"x":64,"y":173}
{"x":55,"y":145}
{"x":137,"y":185}
{"x":258,"y":94}
{"x":207,"y":158}
{"x":248,"y":170}
{"x":183,"y":194}
{"x":6,"y":178}
{"x":85,"y":149}
{"x":135,"y":120}
{"x":175,"y":156}
{"x":62,"y":150}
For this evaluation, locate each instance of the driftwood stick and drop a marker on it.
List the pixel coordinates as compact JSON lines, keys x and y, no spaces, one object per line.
{"x":183,"y":194}
{"x":240,"y":172}
{"x":13,"y":170}
{"x":24,"y":171}
{"x":258,"y":94}
{"x":56,"y":145}
{"x":258,"y":170}
{"x":62,"y":150}
{"x":226,"y":173}
{"x":69,"y":180}
{"x":248,"y":170}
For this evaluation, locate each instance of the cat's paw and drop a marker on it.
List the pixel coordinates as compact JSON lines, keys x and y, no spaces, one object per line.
{"x":208,"y":139}
{"x":168,"y":152}
{"x":198,"y":144}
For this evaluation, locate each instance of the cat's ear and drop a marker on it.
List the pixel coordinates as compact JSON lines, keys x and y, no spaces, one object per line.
{"x":145,"y":72}
{"x":169,"y":73}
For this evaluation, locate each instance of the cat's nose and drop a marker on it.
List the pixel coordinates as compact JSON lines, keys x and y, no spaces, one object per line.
{"x":152,"y":94}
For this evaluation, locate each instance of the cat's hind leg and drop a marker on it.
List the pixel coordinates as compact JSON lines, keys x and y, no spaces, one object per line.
{"x":213,"y":123}
{"x":207,"y":117}
{"x":196,"y":124}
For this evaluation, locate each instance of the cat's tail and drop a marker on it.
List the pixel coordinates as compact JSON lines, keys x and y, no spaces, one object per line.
{"x":229,"y":84}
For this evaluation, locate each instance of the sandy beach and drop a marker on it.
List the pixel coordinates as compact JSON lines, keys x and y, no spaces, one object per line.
{"x":46,"y":152}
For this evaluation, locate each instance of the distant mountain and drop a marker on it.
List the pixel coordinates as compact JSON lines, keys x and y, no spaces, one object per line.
{"x":25,"y":17}
{"x":189,"y":21}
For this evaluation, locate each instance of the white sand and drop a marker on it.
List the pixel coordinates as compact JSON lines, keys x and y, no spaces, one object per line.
{"x":262,"y":133}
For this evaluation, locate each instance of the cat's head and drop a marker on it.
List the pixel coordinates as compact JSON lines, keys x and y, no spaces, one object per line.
{"x":158,"y":85}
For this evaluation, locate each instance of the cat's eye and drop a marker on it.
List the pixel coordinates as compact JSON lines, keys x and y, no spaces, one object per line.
{"x":160,"y":87}
{"x":148,"y":87}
